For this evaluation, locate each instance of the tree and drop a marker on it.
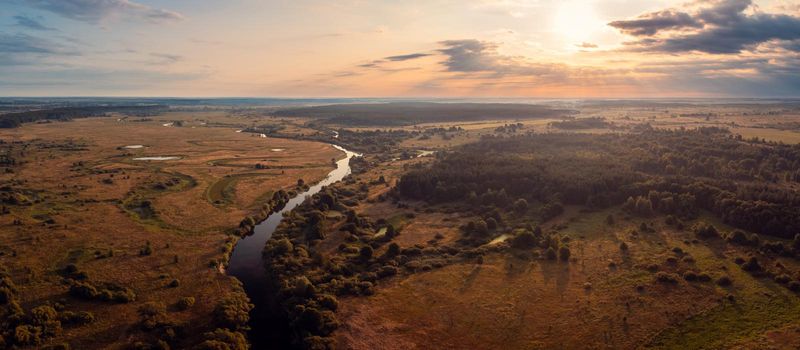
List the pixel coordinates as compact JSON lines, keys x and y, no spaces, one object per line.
{"x":491,"y":224}
{"x":564,"y":253}
{"x":365,"y":253}
{"x":550,"y":253}
{"x":481,"y":228}
{"x":524,"y":240}
{"x":521,"y":205}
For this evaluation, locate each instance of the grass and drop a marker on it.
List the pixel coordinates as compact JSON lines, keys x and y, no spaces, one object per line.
{"x":92,"y":214}
{"x":222,"y":192}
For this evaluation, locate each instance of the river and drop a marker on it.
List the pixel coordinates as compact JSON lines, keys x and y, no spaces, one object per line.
{"x":247,"y":265}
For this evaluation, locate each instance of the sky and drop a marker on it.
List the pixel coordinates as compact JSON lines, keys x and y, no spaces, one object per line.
{"x":410,"y":48}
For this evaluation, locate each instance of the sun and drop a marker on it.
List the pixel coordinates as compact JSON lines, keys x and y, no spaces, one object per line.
{"x":576,"y":21}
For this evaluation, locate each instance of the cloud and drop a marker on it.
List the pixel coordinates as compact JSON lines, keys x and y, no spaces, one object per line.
{"x":652,"y":23}
{"x":165,"y":58}
{"x":95,"y":11}
{"x":722,"y":28}
{"x":31,"y":23}
{"x":28,"y":44}
{"x":407,"y":57}
{"x":27,"y":50}
{"x":585,"y":45}
{"x":477,"y":66}
{"x":475,"y":56}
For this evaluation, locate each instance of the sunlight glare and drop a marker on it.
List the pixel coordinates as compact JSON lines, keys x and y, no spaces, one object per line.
{"x":576,"y":21}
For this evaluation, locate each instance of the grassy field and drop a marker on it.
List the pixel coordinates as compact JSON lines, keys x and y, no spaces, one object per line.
{"x":92,"y":204}
{"x":603,"y":297}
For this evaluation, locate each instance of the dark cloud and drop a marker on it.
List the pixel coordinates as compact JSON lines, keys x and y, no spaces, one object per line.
{"x":475,"y":56}
{"x":407,"y":57}
{"x":31,"y":23}
{"x":94,"y":11}
{"x":652,"y":23}
{"x":373,"y":64}
{"x":722,"y":28}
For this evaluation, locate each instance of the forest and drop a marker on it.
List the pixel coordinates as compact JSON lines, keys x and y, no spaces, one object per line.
{"x":407,"y":113}
{"x":13,"y":120}
{"x":748,"y":183}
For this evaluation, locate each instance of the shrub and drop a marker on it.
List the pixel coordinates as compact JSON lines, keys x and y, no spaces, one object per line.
{"x":724,"y":281}
{"x":365,"y":253}
{"x":317,"y":343}
{"x":77,"y":318}
{"x":26,"y":335}
{"x":564,"y":253}
{"x":550,"y":254}
{"x":223,"y":339}
{"x":146,"y":250}
{"x":491,"y":224}
{"x":152,"y":313}
{"x":524,"y":240}
{"x":520,"y":205}
{"x":703,"y":277}
{"x":705,"y":230}
{"x":175,"y":283}
{"x":752,"y":265}
{"x":233,"y":312}
{"x":623,"y":247}
{"x":328,"y":301}
{"x":665,"y":277}
{"x":794,"y":286}
{"x":386,"y":271}
{"x":783,"y":279}
{"x":185,"y":303}
{"x":690,"y":276}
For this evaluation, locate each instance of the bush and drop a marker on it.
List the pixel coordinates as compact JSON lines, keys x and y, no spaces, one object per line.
{"x":525,"y":240}
{"x":392,"y":250}
{"x":564,"y":253}
{"x":77,"y":318}
{"x":386,"y":271}
{"x":690,"y":276}
{"x":724,"y":281}
{"x":491,"y":224}
{"x":26,"y":335}
{"x":704,"y":277}
{"x":623,"y":247}
{"x":550,"y":254}
{"x":223,"y":339}
{"x":521,"y":205}
{"x":152,"y":313}
{"x":185,"y":303}
{"x":328,"y":301}
{"x":174,"y":284}
{"x":783,"y":279}
{"x":365,"y":253}
{"x":704,"y":230}
{"x":665,"y":277}
{"x":752,"y":265}
{"x":233,"y":312}
{"x":794,"y":286}
{"x":146,"y":250}
{"x":317,"y":343}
